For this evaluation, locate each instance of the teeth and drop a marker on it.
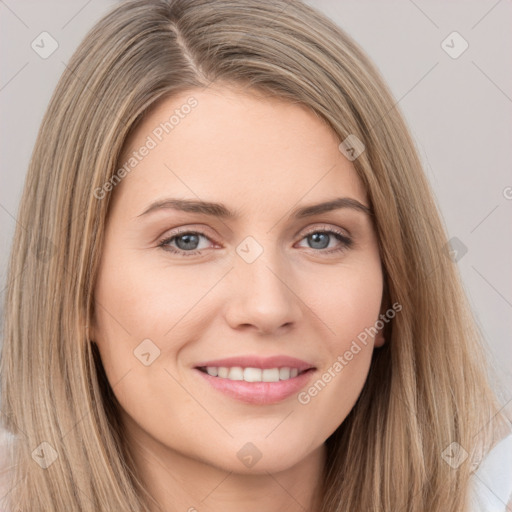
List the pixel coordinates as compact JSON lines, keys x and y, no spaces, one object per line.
{"x":284,"y":373}
{"x":270,"y":375}
{"x":212,"y":370}
{"x":252,"y":374}
{"x":236,"y":373}
{"x":223,"y":372}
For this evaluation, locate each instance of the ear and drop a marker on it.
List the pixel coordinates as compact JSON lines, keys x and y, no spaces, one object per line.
{"x":379,"y":339}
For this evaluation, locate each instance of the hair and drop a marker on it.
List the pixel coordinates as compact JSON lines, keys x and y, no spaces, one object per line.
{"x":428,"y":385}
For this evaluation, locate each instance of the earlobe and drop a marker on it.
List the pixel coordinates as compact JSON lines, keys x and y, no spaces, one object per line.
{"x":379,"y":339}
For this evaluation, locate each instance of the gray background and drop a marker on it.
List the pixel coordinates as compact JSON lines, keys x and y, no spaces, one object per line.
{"x":458,"y":110}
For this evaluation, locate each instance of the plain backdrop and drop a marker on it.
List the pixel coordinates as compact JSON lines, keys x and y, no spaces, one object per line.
{"x":458,"y":107}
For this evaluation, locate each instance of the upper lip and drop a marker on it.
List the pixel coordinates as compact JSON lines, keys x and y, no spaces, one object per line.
{"x":279,"y":361}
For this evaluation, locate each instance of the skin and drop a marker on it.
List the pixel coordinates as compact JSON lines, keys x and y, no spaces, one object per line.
{"x":262,"y":157}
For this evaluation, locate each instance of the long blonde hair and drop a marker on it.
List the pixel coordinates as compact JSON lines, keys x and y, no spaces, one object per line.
{"x":427,"y":386}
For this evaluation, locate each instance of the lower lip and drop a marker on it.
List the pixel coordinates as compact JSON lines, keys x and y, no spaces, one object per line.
{"x":259,"y":393}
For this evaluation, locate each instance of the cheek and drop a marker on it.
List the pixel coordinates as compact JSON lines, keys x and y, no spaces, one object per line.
{"x":349,"y":309}
{"x":139,"y":323}
{"x":349,"y":304}
{"x":137,"y":300}
{"x":332,"y":395}
{"x":141,"y":301}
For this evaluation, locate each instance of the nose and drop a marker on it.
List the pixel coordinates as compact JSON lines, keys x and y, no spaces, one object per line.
{"x":262,"y":296}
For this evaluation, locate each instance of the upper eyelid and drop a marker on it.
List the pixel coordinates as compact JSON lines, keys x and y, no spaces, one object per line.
{"x":323,"y":227}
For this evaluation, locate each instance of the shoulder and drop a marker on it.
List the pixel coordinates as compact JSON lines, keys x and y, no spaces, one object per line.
{"x":491,"y":484}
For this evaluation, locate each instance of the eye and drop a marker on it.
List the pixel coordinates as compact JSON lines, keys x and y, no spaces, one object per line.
{"x":188,"y":242}
{"x":321,"y":238}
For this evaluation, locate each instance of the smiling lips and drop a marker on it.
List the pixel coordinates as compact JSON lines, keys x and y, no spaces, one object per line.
{"x":257,"y":380}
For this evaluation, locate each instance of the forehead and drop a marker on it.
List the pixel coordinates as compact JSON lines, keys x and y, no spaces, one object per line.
{"x":226,"y":144}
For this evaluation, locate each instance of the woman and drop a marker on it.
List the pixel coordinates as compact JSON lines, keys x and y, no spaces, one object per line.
{"x":229,"y":286}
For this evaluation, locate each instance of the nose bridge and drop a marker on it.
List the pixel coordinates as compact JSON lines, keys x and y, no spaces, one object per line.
{"x":263,"y":272}
{"x":260,"y":293}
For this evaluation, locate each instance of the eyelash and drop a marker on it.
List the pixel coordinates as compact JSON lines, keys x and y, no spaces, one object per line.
{"x":346,"y":241}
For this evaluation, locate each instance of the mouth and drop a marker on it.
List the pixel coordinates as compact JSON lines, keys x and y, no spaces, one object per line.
{"x":264,"y":383}
{"x":254,"y":379}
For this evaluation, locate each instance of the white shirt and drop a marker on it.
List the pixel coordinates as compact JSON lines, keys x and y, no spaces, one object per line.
{"x":491,"y":484}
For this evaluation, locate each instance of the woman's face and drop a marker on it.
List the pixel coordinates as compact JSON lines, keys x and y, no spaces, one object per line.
{"x":182,"y":286}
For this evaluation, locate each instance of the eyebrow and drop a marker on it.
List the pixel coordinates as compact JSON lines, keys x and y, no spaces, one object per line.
{"x":220,"y":210}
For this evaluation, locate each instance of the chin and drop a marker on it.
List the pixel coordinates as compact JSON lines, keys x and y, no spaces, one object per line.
{"x":254,"y":458}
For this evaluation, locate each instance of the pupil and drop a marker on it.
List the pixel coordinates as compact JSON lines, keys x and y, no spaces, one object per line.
{"x":190,"y":241}
{"x":317,"y":237}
